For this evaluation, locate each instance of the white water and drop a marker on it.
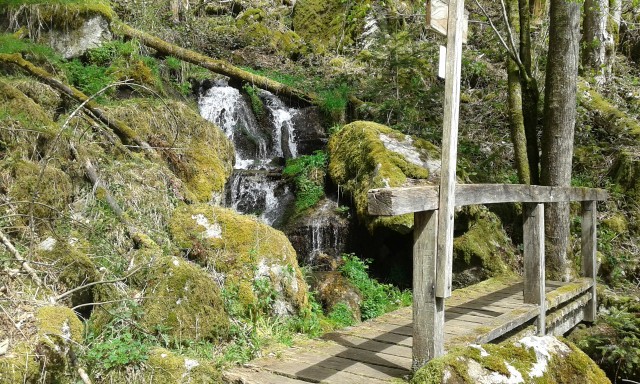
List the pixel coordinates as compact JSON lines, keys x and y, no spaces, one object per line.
{"x":253,"y":188}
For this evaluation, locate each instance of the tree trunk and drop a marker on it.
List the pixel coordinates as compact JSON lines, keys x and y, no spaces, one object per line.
{"x":598,"y":43}
{"x":514,"y":97}
{"x":218,"y":66}
{"x":537,"y":9}
{"x":559,"y":126}
{"x":530,"y":92}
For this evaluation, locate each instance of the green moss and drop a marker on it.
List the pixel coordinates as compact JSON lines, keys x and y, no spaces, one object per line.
{"x":564,"y":367}
{"x":184,"y":302}
{"x":59,"y":321}
{"x":196,"y":150}
{"x":359,"y":161}
{"x":617,"y":223}
{"x":20,"y":365}
{"x":13,"y":107}
{"x":74,"y":269}
{"x":484,"y":244}
{"x":43,"y":95}
{"x":165,"y":367}
{"x":59,"y":14}
{"x":50,"y":186}
{"x":242,"y":248}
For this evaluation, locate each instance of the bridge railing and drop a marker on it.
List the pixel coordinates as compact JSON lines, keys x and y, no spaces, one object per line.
{"x":422,"y":201}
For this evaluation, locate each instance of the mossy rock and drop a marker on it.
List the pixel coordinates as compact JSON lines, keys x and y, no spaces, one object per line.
{"x":50,"y":186}
{"x":43,"y":95}
{"x":24,"y":122}
{"x":58,"y":14}
{"x":626,"y":174}
{"x":165,"y":367}
{"x":329,"y":24}
{"x":259,"y":31}
{"x":72,"y":267}
{"x":483,"y":250}
{"x":197,"y":151}
{"x":529,"y":360}
{"x":365,"y":155}
{"x":184,"y":302}
{"x":255,"y":259}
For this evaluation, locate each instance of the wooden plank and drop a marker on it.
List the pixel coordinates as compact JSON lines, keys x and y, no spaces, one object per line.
{"x":588,"y":251}
{"x":317,"y":374}
{"x":567,"y":317}
{"x":375,"y":347}
{"x":357,"y":367}
{"x":371,"y":333}
{"x":446,"y":203}
{"x":534,"y":273}
{"x":499,"y":326}
{"x":438,"y":15}
{"x":568,"y":292}
{"x":428,"y":310}
{"x":256,"y":376}
{"x":398,"y":201}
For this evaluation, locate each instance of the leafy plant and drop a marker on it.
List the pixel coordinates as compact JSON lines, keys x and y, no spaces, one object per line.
{"x":256,"y":103}
{"x":341,"y":315}
{"x":307,"y":173}
{"x":377,"y":298}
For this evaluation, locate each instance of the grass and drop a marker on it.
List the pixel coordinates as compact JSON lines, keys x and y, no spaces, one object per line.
{"x":307,"y":173}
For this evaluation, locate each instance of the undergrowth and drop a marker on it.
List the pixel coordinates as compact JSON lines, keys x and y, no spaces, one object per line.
{"x":377,"y":298}
{"x":307,"y":173}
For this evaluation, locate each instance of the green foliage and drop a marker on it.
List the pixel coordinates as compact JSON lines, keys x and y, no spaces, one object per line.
{"x":334,"y":100}
{"x":90,"y":79}
{"x":341,"y":315}
{"x":36,"y":52}
{"x":120,"y":343}
{"x":307,"y":172}
{"x":617,"y":347}
{"x":377,"y":298}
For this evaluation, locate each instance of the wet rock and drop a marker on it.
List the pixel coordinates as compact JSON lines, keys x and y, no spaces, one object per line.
{"x":310,"y":135}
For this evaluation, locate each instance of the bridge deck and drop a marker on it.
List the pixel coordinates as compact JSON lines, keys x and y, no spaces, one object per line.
{"x":379,"y":350}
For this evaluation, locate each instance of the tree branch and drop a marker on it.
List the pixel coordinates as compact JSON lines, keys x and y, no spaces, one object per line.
{"x":24,"y":264}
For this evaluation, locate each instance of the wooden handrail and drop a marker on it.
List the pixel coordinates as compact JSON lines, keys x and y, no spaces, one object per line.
{"x":398,"y":201}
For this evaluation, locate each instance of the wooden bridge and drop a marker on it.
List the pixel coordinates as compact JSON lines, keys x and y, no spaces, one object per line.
{"x":388,"y":348}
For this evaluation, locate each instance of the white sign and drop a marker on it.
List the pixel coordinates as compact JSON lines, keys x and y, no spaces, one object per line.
{"x":438,"y":15}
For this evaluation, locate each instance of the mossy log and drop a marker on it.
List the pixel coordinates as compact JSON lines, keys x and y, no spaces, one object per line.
{"x":215,"y":65}
{"x":123,"y":131}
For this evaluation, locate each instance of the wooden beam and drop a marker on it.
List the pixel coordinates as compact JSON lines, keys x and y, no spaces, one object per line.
{"x":428,"y":310}
{"x":398,"y":201}
{"x":534,"y":274}
{"x":446,"y":205}
{"x":588,"y":251}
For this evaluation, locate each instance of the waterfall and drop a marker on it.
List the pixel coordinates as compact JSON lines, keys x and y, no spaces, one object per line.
{"x":256,"y":186}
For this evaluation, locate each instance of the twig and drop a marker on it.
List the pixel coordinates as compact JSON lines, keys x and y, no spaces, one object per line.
{"x":69,"y":292}
{"x":104,"y":302}
{"x":512,"y":54}
{"x":24,"y":264}
{"x":13,"y":322}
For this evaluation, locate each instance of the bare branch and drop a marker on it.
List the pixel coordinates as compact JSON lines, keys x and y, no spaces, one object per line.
{"x":23,"y":262}
{"x":513,"y":54}
{"x":69,"y":292}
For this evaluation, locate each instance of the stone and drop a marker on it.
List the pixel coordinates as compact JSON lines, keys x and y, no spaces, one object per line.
{"x":71,"y":43}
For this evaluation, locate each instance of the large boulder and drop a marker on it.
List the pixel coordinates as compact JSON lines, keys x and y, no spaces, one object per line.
{"x":366,"y":155}
{"x":254,"y":261}
{"x":530,"y":360}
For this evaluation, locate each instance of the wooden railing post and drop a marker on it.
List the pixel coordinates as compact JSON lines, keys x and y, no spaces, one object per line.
{"x":588,"y":250}
{"x":428,"y":310}
{"x":534,"y":273}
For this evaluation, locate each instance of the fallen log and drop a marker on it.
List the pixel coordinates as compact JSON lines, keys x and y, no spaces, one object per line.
{"x":126,"y":134}
{"x":214,"y":65}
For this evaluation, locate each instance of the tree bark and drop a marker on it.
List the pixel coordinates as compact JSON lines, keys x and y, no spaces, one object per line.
{"x":559,"y":126}
{"x":218,"y":66}
{"x":537,"y":9}
{"x":598,"y":41}
{"x":514,"y":98}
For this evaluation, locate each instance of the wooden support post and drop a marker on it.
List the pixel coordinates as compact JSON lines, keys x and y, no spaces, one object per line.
{"x":446,"y":206}
{"x":428,"y":310}
{"x":588,"y":250}
{"x":534,"y":274}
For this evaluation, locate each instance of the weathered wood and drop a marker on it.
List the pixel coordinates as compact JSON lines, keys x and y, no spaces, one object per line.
{"x":568,"y":292}
{"x":446,"y":204}
{"x":428,"y":310}
{"x":534,"y":274}
{"x":588,"y":251}
{"x":567,"y":317}
{"x":398,"y":201}
{"x":438,"y":15}
{"x":256,"y":376}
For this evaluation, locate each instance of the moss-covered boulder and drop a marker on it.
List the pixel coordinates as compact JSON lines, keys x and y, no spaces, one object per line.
{"x":165,"y":367}
{"x":45,"y":356}
{"x":483,"y":250}
{"x":258,"y":263}
{"x":71,"y":267}
{"x":330,"y":24}
{"x":197,"y":151}
{"x":184,"y":302}
{"x":39,"y":190}
{"x":529,"y":360}
{"x":365,"y":155}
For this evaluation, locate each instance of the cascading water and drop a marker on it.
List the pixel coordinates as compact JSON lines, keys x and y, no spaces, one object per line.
{"x":255,"y":186}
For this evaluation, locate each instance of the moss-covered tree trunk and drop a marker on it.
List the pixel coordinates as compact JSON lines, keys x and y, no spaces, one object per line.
{"x":598,"y":42}
{"x":218,"y":66}
{"x":514,"y":96}
{"x":559,"y":127}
